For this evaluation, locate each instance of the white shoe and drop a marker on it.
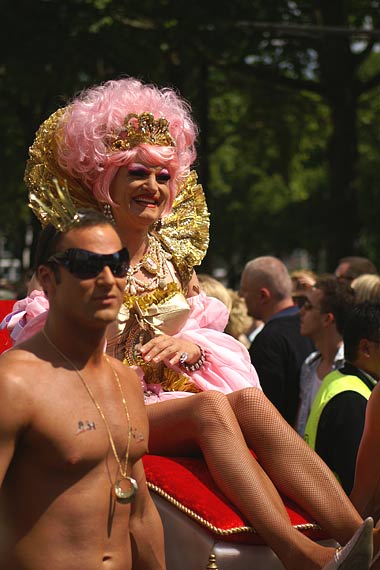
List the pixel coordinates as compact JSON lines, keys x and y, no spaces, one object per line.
{"x":357,"y":554}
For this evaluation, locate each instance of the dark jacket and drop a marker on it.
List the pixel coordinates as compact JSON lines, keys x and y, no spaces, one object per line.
{"x":277,"y":353}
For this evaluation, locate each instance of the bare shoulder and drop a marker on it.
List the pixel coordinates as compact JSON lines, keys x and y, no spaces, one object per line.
{"x":17,"y":368}
{"x":14,"y":364}
{"x":126,"y":374}
{"x":23,"y":363}
{"x":376,"y":394}
{"x":373,"y":408}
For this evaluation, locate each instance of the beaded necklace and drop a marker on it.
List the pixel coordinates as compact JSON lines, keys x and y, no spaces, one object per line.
{"x":154,"y":263}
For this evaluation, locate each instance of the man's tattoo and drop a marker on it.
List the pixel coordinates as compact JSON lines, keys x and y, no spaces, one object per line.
{"x":137,"y":435}
{"x":85,"y":426}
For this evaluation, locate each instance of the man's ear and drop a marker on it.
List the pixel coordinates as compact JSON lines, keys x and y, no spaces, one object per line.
{"x":46,"y":277}
{"x":264,"y":295}
{"x":364,"y":347}
{"x":329,"y":318}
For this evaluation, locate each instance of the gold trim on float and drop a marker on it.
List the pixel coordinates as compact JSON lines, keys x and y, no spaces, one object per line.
{"x":213,"y":528}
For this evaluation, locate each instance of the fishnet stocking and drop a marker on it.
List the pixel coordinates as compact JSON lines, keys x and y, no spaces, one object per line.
{"x":212,"y":422}
{"x":293,"y":467}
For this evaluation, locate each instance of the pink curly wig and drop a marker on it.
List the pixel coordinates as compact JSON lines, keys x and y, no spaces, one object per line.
{"x":98,"y":111}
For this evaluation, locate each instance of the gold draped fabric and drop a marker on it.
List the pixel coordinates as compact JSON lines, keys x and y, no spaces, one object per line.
{"x":164,"y":311}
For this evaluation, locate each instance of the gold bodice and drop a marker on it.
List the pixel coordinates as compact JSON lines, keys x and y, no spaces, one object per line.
{"x":164,"y":311}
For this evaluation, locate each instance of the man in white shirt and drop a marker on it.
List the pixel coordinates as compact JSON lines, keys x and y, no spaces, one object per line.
{"x":323,"y":316}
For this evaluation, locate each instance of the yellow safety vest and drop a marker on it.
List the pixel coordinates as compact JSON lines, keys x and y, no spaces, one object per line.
{"x":333,"y":384}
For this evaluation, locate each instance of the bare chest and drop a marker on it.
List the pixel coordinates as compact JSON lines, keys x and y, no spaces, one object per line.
{"x":71,"y":430}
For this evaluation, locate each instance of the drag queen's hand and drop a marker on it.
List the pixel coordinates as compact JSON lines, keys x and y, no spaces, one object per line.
{"x":165,"y":348}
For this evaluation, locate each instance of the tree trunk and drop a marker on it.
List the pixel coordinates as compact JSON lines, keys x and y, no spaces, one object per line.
{"x":342,"y":215}
{"x":338,"y":76}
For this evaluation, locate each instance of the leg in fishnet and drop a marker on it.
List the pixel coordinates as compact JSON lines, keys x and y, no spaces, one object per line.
{"x":207,"y":422}
{"x":295,"y":469}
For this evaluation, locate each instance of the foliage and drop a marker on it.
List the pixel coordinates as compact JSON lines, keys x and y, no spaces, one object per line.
{"x":369,"y":145}
{"x":288,"y":115}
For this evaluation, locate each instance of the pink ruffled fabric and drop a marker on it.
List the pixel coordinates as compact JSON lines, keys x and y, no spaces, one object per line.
{"x":228,"y":365}
{"x":27,"y":317}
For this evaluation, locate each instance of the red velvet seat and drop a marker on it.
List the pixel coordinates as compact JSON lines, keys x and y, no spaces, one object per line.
{"x":202,"y":528}
{"x":187,"y":484}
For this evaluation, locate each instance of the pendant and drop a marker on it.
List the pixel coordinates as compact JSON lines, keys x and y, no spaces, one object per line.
{"x":150,"y":265}
{"x":129,"y":494}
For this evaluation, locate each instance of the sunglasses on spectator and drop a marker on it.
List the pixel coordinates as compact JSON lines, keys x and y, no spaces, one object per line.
{"x":85,"y":264}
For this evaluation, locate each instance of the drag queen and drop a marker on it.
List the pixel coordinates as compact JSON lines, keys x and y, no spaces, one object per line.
{"x":126,"y":148}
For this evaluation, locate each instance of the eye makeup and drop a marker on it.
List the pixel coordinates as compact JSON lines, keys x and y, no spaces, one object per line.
{"x":140,"y":171}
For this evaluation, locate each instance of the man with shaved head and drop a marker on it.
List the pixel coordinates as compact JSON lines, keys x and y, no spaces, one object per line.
{"x":278,"y":350}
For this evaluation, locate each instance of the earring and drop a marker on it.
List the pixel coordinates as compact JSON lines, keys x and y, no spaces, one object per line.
{"x":107,"y":211}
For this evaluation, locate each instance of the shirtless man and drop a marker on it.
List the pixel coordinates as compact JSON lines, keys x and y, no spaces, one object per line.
{"x":366,"y":491}
{"x":73,"y":427}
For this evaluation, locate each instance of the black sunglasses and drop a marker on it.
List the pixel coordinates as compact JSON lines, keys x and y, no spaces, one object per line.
{"x":85,"y":264}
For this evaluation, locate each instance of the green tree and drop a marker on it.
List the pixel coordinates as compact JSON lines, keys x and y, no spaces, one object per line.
{"x":315,"y":47}
{"x":283,"y":93}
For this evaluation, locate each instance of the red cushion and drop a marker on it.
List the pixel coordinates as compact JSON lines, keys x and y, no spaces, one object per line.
{"x":187,"y":484}
{"x":5,"y":308}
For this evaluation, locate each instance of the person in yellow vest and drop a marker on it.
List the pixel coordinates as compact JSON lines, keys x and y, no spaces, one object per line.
{"x":323,"y":317}
{"x":336,"y":421}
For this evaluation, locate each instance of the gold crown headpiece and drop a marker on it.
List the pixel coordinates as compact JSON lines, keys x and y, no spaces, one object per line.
{"x":43,"y":168}
{"x":58,"y":210}
{"x":137,"y":129}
